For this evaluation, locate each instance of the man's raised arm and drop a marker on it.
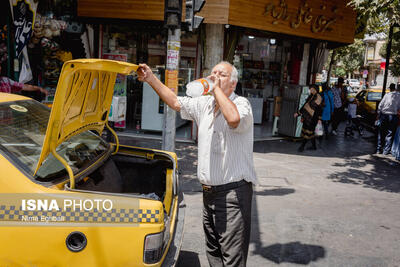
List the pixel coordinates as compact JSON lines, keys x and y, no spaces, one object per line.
{"x":167,"y":95}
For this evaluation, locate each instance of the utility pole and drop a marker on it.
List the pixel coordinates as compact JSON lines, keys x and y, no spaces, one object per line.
{"x":172,"y":20}
{"x":171,"y":80}
{"x":388,"y":52}
{"x":328,"y":78}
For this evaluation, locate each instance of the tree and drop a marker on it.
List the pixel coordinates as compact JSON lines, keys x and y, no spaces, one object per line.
{"x":378,"y":9}
{"x":348,"y":59}
{"x":351,"y":57}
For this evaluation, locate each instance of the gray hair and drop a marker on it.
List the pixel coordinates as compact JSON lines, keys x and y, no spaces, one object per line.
{"x":234,"y":73}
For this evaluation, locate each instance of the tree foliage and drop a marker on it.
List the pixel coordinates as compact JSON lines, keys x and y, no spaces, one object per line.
{"x":381,"y":15}
{"x":378,"y":9}
{"x":349,"y":58}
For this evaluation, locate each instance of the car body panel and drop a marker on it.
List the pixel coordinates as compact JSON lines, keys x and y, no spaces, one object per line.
{"x":114,"y":238}
{"x":365,"y":108}
{"x":6,"y":97}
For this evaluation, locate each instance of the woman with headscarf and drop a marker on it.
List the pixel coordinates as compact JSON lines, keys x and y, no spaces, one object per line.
{"x":327,"y":109}
{"x":310,"y":114}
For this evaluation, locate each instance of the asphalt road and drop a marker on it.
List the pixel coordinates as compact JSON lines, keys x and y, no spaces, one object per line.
{"x":337,"y":206}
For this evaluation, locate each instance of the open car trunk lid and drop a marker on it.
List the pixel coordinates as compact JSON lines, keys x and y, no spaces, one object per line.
{"x":82,"y":101}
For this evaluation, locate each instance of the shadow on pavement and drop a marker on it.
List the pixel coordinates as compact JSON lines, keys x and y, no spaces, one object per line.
{"x":382,"y":175}
{"x":274,"y":192}
{"x":336,"y":146}
{"x":293,"y":252}
{"x":188,"y":258}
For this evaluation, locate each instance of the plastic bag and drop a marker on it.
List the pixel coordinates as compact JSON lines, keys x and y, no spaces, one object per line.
{"x":319,"y":129}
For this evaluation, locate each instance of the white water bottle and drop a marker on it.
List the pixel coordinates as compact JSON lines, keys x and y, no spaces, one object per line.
{"x":199,"y":87}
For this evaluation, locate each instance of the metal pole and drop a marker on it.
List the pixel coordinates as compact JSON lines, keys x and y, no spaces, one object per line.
{"x":171,"y":80}
{"x":388,"y":52}
{"x":328,"y":78}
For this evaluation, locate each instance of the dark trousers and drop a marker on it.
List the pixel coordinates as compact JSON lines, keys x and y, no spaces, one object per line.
{"x":386,"y":131}
{"x":337,"y":117}
{"x":227,"y":222}
{"x":304,"y":142}
{"x":326,"y":128}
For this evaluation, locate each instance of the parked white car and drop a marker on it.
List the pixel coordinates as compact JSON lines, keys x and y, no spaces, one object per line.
{"x":354,"y":83}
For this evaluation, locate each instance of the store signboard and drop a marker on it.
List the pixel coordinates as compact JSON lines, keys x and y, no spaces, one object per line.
{"x":173,"y":55}
{"x":332,"y":20}
{"x":370,"y":53}
{"x":383,"y":64}
{"x":171,"y":80}
{"x":119,"y":91}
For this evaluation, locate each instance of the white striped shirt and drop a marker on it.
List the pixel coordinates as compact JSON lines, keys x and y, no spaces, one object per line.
{"x":225,"y":154}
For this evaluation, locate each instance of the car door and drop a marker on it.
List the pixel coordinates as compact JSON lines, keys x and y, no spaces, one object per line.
{"x":361,"y":105}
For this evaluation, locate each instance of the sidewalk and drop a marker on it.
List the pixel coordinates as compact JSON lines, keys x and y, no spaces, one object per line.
{"x":337,"y":206}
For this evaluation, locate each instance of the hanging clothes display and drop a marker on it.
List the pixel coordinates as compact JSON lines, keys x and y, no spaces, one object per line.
{"x":23,"y":12}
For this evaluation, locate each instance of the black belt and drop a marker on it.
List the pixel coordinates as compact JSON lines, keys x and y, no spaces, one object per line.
{"x":223,"y":187}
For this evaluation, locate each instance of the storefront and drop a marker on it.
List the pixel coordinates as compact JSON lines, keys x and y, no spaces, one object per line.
{"x":277,"y":46}
{"x":146,"y":42}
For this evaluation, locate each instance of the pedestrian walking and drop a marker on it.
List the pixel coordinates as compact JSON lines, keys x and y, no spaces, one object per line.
{"x":353,"y":123}
{"x":387,"y":120}
{"x":225,"y":161}
{"x":339,"y":99}
{"x":310,"y":114}
{"x":9,"y":86}
{"x":328,"y":108}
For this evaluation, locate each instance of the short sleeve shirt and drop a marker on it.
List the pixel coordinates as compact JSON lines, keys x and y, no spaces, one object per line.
{"x":9,"y":86}
{"x":390,"y":103}
{"x":225,"y":154}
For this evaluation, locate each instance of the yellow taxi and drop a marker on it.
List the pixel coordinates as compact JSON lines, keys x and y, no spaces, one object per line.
{"x":68,"y":197}
{"x":366,"y":103}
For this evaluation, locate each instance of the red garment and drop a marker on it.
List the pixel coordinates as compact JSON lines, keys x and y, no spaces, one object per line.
{"x":9,"y":86}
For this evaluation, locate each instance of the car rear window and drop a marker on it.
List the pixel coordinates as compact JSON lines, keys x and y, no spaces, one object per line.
{"x":23,"y":127}
{"x":374,"y":96}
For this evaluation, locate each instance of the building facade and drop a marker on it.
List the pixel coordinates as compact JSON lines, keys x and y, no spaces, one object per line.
{"x":374,"y":63}
{"x":277,"y":46}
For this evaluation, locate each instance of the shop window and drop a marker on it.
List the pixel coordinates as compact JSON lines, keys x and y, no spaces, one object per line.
{"x":258,"y":61}
{"x":147,"y":45}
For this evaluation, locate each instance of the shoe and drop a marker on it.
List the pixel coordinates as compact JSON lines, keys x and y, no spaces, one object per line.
{"x":300,"y":149}
{"x":385,"y":153}
{"x":334,"y":132}
{"x":378,"y":151}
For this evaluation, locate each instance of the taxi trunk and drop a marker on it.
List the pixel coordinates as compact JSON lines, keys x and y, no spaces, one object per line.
{"x":73,"y":169}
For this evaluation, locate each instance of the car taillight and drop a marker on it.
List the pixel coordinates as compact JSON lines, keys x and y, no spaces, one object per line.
{"x":153,"y":247}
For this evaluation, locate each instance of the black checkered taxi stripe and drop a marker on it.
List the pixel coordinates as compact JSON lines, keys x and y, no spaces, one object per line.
{"x":11,"y":213}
